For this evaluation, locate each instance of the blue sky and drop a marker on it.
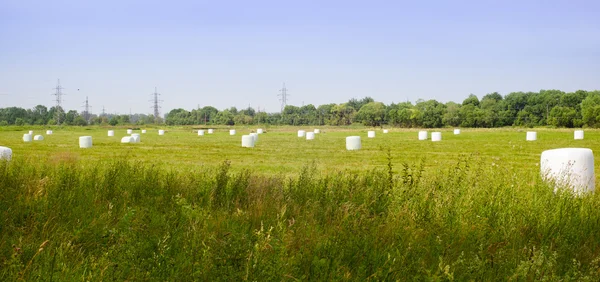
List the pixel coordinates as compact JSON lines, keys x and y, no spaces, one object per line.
{"x":238,"y":53}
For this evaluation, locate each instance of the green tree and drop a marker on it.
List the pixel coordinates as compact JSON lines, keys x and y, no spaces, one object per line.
{"x":371,"y":114}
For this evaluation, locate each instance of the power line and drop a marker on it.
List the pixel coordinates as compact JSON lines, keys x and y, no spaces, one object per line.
{"x":156,"y":105}
{"x":86,"y":113}
{"x":284,"y":96}
{"x":58,"y":93}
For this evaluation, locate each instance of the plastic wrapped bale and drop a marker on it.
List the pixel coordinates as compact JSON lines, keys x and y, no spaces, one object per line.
{"x":38,"y":138}
{"x":136,"y":137}
{"x":531,"y":136}
{"x":436,"y":136}
{"x":48,"y":132}
{"x":211,"y":131}
{"x":247,"y":141}
{"x":161,"y":132}
{"x":111,"y":133}
{"x":85,"y":142}
{"x":385,"y":131}
{"x":301,"y":133}
{"x":456,"y":131}
{"x":143,"y":131}
{"x":200,"y":132}
{"x":255,"y":136}
{"x":571,"y":168}
{"x":259,"y":131}
{"x":371,"y":134}
{"x":127,"y":139}
{"x":353,"y":143}
{"x":578,"y":134}
{"x":27,"y":137}
{"x":422,"y":135}
{"x":317,"y":131}
{"x":129,"y":131}
{"x":232,"y":132}
{"x":31,"y":132}
{"x":5,"y":153}
{"x":310,"y":135}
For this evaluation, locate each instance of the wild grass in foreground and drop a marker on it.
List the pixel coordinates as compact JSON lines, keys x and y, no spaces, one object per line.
{"x":122,"y":220}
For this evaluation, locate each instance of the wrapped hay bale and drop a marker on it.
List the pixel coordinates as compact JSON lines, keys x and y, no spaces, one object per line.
{"x":353,"y":143}
{"x":571,"y":168}
{"x":48,"y":132}
{"x":5,"y":153}
{"x":210,"y":131}
{"x":111,"y":133}
{"x":531,"y":136}
{"x":371,"y":134}
{"x":127,"y":139}
{"x":259,"y":131}
{"x":317,"y":131}
{"x":38,"y":138}
{"x":456,"y":131}
{"x":310,"y":135}
{"x":136,"y":138}
{"x":301,"y":133}
{"x":247,"y":141}
{"x":143,"y":131}
{"x":578,"y":134}
{"x":200,"y":132}
{"x":422,"y":135}
{"x":27,"y":137}
{"x":436,"y":136}
{"x":129,"y":131}
{"x":232,"y":132}
{"x":385,"y":131}
{"x":85,"y":142}
{"x":255,"y":136}
{"x":161,"y":132}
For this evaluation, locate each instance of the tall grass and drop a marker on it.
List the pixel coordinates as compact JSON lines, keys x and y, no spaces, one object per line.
{"x":123,"y":220}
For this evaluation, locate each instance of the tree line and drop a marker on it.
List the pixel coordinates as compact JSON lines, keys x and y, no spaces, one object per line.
{"x":543,"y":108}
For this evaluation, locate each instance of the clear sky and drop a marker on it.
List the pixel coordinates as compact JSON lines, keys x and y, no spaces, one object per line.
{"x":238,"y":53}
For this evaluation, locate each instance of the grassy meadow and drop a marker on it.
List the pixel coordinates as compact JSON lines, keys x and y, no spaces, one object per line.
{"x":183,"y":207}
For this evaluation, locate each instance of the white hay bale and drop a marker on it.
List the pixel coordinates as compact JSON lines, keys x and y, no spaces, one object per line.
{"x":129,"y":131}
{"x":31,"y":132}
{"x":27,"y":137}
{"x":259,"y":131}
{"x":310,"y":135}
{"x":127,"y":139}
{"x":422,"y":135}
{"x":456,"y":131}
{"x":385,"y":131}
{"x":531,"y":136}
{"x":143,"y":131}
{"x":48,"y":132}
{"x":371,"y":134}
{"x":571,"y":168}
{"x":255,"y":136}
{"x":232,"y":132}
{"x":436,"y":136}
{"x":5,"y":153}
{"x":317,"y":131}
{"x":578,"y":135}
{"x":210,"y":131}
{"x":161,"y":132}
{"x":200,"y":132}
{"x":38,"y":138}
{"x":136,"y":137}
{"x":301,"y":133}
{"x":353,"y":143}
{"x":247,"y":141}
{"x":85,"y":142}
{"x":111,"y":133}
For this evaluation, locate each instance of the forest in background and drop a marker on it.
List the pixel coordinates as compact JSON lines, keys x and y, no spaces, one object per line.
{"x":544,"y":108}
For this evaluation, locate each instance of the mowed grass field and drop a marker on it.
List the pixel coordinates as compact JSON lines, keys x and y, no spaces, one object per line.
{"x":281,"y":151}
{"x":183,"y":207}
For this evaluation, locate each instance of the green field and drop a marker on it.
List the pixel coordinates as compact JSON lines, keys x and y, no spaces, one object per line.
{"x":281,"y":151}
{"x":184,"y":207}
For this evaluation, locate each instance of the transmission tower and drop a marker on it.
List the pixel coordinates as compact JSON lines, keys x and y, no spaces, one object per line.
{"x":156,"y":105}
{"x":103,"y":111}
{"x":86,"y":112}
{"x":58,"y":93}
{"x":283,"y":96}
